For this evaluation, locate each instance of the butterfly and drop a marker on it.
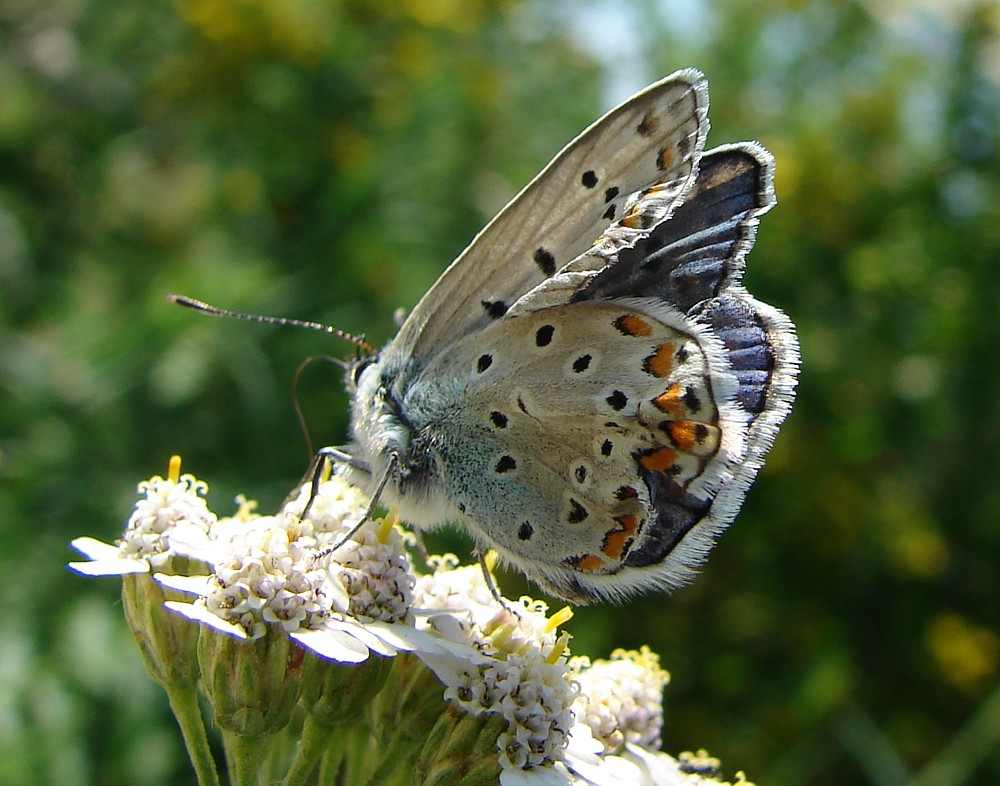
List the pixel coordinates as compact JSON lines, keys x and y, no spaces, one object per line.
{"x":589,"y":390}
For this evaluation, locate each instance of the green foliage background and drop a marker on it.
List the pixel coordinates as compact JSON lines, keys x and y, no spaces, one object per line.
{"x":325,"y":159}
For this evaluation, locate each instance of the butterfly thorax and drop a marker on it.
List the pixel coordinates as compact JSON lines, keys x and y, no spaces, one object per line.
{"x":390,"y":436}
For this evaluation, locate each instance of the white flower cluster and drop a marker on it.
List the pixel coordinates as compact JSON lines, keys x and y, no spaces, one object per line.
{"x":166,"y":504}
{"x":523,"y":676}
{"x":268,"y":577}
{"x":621,"y":698}
{"x":374,"y":571}
{"x":533,"y":696}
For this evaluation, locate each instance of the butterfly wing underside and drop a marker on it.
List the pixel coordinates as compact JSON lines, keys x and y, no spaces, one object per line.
{"x":654,"y":137}
{"x":624,"y":423}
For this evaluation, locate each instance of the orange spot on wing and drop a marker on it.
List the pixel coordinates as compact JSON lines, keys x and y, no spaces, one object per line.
{"x":632,"y":220}
{"x":682,"y":434}
{"x":660,"y":362}
{"x":631,"y":325}
{"x":670,"y":401}
{"x":665,"y":158}
{"x":659,"y":460}
{"x":589,"y":562}
{"x":615,"y":540}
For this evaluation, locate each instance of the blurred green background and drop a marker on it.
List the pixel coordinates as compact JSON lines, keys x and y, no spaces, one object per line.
{"x":325,"y":159}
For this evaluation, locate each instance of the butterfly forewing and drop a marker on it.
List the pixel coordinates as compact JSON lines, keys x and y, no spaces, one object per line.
{"x":655,"y":136}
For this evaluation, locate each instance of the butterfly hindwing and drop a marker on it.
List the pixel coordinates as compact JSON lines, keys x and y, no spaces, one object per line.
{"x":553,"y":417}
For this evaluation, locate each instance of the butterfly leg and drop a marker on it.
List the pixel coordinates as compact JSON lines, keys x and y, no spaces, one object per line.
{"x":421,"y":547}
{"x":491,"y":585}
{"x":325,"y":455}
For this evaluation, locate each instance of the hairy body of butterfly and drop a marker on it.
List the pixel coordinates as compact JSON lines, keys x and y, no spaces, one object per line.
{"x":589,"y":389}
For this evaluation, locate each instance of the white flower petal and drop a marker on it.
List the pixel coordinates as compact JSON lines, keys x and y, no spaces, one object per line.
{"x":662,"y":768}
{"x":198,"y":613}
{"x":406,"y":638}
{"x":612,"y":771}
{"x":448,"y":626}
{"x":332,"y":645}
{"x":583,"y":744}
{"x":449,"y":668}
{"x":110,"y":567}
{"x":192,"y":541}
{"x":619,"y":770}
{"x":191,"y":585}
{"x":95,"y":549}
{"x":363,"y":634}
{"x":540,"y":776}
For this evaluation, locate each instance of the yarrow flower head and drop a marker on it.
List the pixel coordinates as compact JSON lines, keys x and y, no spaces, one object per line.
{"x":521,"y":673}
{"x":170,"y":511}
{"x":268,"y":577}
{"x":336,"y":588}
{"x":168,"y":503}
{"x":621,"y":698}
{"x":310,"y":576}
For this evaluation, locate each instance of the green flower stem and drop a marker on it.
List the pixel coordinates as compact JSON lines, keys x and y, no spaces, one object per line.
{"x":184,"y":704}
{"x":316,"y":738}
{"x":387,"y":767}
{"x":245,"y":756}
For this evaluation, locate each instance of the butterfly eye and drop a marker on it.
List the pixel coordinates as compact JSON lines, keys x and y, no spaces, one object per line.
{"x":358,"y":369}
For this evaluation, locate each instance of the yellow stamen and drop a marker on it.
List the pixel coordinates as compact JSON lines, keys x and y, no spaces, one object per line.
{"x":388,"y":523}
{"x":174,"y":469}
{"x":501,"y":635}
{"x":325,"y":472}
{"x":558,"y":648}
{"x":245,"y":508}
{"x":564,"y":615}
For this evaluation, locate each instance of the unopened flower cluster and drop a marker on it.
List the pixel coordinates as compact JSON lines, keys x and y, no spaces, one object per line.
{"x":524,"y":674}
{"x":347,"y":593}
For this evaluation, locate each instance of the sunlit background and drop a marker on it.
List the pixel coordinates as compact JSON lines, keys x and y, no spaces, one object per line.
{"x":325,"y":159}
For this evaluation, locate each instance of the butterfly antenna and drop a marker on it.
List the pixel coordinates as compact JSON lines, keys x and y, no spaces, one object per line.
{"x":299,"y":414}
{"x":215,"y":311}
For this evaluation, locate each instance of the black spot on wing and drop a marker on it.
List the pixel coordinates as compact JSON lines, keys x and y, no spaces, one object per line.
{"x":545,"y":261}
{"x":648,"y":125}
{"x":677,"y":513}
{"x":494,"y":308}
{"x":626,"y":492}
{"x":506,"y":464}
{"x":589,"y":179}
{"x":617,"y":401}
{"x":691,"y":400}
{"x":543,"y":336}
{"x":577,"y":512}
